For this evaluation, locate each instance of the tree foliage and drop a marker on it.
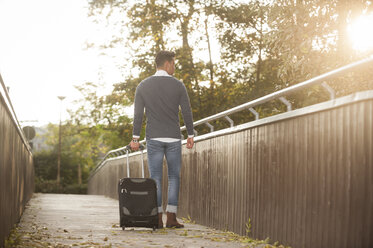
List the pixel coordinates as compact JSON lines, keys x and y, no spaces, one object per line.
{"x":258,"y":47}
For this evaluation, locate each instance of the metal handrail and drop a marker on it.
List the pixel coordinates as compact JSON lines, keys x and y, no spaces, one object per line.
{"x":276,"y":95}
{"x":316,"y":80}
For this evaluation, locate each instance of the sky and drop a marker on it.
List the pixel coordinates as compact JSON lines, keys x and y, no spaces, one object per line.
{"x":43,"y":55}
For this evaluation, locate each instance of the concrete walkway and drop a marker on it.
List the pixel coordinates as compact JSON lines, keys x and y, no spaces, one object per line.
{"x":53,"y":220}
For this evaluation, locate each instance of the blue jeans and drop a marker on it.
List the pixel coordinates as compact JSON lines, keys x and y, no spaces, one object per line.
{"x":157,"y":150}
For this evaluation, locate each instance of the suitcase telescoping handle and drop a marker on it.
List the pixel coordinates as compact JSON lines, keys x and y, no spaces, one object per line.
{"x":142,"y":159}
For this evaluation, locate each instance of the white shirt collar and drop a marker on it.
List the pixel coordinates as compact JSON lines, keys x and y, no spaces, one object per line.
{"x":161,"y":73}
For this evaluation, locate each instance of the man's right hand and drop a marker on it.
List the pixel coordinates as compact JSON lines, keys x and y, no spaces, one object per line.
{"x":135,"y":145}
{"x":190,"y":143}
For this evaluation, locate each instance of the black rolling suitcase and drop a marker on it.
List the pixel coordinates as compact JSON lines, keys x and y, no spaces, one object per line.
{"x":137,"y":200}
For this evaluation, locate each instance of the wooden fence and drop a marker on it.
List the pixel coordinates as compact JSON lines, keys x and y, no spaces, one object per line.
{"x":16,"y":167}
{"x":303,"y":178}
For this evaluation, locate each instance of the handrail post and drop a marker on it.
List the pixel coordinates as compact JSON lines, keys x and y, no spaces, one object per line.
{"x":210,"y":126}
{"x":286,"y":102}
{"x":252,"y":110}
{"x":229,"y":120}
{"x":329,"y":89}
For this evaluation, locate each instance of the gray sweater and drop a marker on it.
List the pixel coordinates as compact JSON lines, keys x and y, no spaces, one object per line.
{"x":161,"y":97}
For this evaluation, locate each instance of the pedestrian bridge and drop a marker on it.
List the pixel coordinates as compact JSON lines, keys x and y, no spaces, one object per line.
{"x":303,"y":177}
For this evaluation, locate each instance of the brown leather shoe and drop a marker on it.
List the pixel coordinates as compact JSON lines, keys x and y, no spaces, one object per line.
{"x":172,"y":221}
{"x":160,"y":220}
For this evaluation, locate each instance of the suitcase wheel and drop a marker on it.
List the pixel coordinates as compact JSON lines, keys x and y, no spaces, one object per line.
{"x":154,"y":228}
{"x":123,"y":227}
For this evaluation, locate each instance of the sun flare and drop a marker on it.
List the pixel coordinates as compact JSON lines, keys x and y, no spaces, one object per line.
{"x":361,"y":33}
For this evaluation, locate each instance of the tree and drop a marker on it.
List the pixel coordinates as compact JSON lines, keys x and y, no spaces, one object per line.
{"x":265,"y":46}
{"x":101,"y":119}
{"x":46,"y":170}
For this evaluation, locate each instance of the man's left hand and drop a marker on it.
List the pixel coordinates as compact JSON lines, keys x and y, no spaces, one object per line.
{"x":135,"y":145}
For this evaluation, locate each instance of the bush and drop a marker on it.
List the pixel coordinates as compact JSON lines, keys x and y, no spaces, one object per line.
{"x":51,"y":186}
{"x":76,"y":189}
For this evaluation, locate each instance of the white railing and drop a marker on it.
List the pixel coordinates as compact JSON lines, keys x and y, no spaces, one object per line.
{"x":250,"y":105}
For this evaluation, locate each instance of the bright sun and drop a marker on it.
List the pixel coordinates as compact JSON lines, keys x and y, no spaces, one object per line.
{"x":361,"y":33}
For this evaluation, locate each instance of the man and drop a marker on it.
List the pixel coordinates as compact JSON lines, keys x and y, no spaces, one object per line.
{"x":161,"y":95}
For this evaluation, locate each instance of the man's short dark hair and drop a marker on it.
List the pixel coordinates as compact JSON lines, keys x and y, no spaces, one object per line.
{"x":162,"y":57}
